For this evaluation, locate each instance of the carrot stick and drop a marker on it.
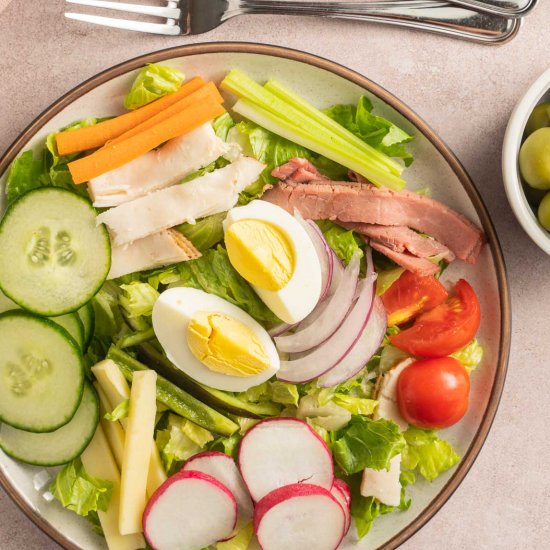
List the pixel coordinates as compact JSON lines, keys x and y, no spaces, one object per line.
{"x":91,"y":137}
{"x":109,"y":158}
{"x":199,"y":95}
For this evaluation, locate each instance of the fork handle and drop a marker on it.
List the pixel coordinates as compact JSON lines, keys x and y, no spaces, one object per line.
{"x":430,"y":15}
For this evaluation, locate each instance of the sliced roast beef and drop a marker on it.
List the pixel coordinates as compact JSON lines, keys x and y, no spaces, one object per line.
{"x":321,"y":199}
{"x":298,"y":170}
{"x":420,"y":266}
{"x":401,"y":239}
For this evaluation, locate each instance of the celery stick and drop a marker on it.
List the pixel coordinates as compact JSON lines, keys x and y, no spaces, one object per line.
{"x":301,"y":104}
{"x":175,"y":398}
{"x":298,"y":135}
{"x":246,"y":88}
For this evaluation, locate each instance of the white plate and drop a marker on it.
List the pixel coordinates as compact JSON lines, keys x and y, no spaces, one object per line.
{"x":324,"y":83}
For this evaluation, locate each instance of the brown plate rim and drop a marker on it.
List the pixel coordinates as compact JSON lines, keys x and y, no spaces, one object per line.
{"x":362,"y":81}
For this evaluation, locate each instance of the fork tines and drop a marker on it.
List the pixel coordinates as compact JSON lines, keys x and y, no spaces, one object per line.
{"x":170,"y":12}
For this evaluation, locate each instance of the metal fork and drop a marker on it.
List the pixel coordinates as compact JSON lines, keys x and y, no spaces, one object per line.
{"x":189,"y":17}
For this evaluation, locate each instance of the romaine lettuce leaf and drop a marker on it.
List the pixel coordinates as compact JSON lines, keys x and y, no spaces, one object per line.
{"x":276,"y":392}
{"x":137,"y":299}
{"x":222,"y":125}
{"x":470,"y":356}
{"x":228,"y":445}
{"x":205,"y":233}
{"x":367,"y":443}
{"x":386,"y":278}
{"x":240,"y":541}
{"x":119,"y":412}
{"x":345,"y":243}
{"x":26,"y":173}
{"x":214,"y":274}
{"x":328,"y":415}
{"x":428,"y":453}
{"x":375,"y":130}
{"x":78,"y":491}
{"x":152,"y":82}
{"x":355,"y":405}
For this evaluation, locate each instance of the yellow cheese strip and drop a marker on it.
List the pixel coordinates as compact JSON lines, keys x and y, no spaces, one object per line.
{"x":113,"y":430}
{"x":99,"y":462}
{"x":137,"y":451}
{"x":116,"y":389}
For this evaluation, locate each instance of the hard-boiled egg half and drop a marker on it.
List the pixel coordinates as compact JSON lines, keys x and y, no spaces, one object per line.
{"x":273,"y":252}
{"x":213,"y":341}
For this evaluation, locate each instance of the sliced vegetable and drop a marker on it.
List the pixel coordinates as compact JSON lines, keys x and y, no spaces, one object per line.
{"x":57,"y":447}
{"x":87,"y":317}
{"x":175,"y":398}
{"x":208,"y":508}
{"x":433,"y":393}
{"x":341,"y":492}
{"x":73,"y":325}
{"x":109,"y":158}
{"x":53,"y":255}
{"x":331,"y":318}
{"x":411,"y":295}
{"x":313,"y":518}
{"x":111,"y":430}
{"x":84,"y":139}
{"x":137,"y":452}
{"x":282,"y":451}
{"x":446,"y":328}
{"x":37,"y":357}
{"x":223,"y":468}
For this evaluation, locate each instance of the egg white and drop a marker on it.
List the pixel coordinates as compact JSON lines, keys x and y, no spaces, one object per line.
{"x":171,"y":316}
{"x":296,"y":300}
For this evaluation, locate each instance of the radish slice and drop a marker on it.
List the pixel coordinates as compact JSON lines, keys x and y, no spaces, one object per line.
{"x":341,"y":492}
{"x":360,"y":354}
{"x":329,"y":320}
{"x":333,"y":350}
{"x":299,"y":516}
{"x":324,"y":252}
{"x":223,"y":468}
{"x":282,"y":451}
{"x":189,"y":510}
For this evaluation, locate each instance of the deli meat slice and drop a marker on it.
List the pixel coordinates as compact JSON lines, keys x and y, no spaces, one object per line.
{"x":321,"y":199}
{"x":420,"y":266}
{"x":402,"y":239}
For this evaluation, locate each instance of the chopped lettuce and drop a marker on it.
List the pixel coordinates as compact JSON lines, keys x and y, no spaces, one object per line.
{"x":389,"y":357}
{"x":386,"y":278}
{"x":328,"y":415}
{"x":470,"y":356}
{"x":345,"y":243}
{"x":78,"y":491}
{"x":214,"y":274}
{"x":228,"y":445}
{"x":222,"y":125}
{"x":284,"y":393}
{"x":205,"y":233}
{"x":180,"y":440}
{"x":355,"y":405}
{"x":152,"y":82}
{"x":26,"y":173}
{"x":377,"y":131}
{"x":367,"y":443}
{"x":240,"y":541}
{"x":428,"y":453}
{"x":108,"y":318}
{"x":119,"y":412}
{"x":137,"y":299}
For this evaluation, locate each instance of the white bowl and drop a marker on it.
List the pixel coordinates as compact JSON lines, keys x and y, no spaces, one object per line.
{"x":538,"y":92}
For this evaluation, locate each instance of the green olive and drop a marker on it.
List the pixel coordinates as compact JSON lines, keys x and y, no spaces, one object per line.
{"x":544,"y":212}
{"x":534,"y":159}
{"x":540,"y":118}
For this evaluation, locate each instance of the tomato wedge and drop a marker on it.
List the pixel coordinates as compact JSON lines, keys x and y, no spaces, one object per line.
{"x":433,"y":393}
{"x":445,"y":329}
{"x":410,"y":295}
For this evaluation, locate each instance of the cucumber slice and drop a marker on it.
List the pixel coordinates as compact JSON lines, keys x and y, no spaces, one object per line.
{"x":59,"y":447}
{"x":73,"y":325}
{"x":6,"y":304}
{"x":53,"y":256}
{"x":41,"y":373}
{"x":87,"y":317}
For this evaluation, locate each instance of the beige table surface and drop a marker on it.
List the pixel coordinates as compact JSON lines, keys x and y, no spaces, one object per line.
{"x":466,"y":92}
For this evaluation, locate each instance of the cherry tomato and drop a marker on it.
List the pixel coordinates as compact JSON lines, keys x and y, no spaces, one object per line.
{"x":433,"y":393}
{"x":410,"y":295}
{"x":445,"y":329}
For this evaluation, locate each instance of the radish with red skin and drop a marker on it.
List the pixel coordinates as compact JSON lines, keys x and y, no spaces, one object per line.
{"x":299,"y":517}
{"x":341,"y":492}
{"x":223,"y":468}
{"x":283,"y":451}
{"x":189,"y":510}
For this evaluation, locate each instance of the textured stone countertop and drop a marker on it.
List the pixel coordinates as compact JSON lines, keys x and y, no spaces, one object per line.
{"x":466,"y":92}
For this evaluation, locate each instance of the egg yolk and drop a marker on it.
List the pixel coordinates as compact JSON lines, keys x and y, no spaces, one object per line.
{"x":226,"y":345}
{"x":261,"y":253}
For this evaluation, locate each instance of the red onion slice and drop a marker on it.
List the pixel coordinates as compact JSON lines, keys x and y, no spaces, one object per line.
{"x":332,"y":351}
{"x":362,"y":351}
{"x":330,"y":319}
{"x":324,"y":252}
{"x":277,"y":330}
